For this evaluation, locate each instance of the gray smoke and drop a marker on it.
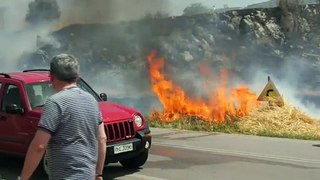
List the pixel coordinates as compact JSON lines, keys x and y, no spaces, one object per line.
{"x":18,"y":37}
{"x":26,"y":25}
{"x":292,"y":79}
{"x":42,"y":11}
{"x":107,"y":11}
{"x":112,"y":57}
{"x":23,"y":21}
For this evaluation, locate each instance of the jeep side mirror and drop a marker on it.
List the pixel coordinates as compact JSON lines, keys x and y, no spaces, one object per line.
{"x":104,"y":96}
{"x":14,"y":109}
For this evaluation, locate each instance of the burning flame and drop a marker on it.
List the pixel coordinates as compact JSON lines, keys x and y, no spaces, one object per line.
{"x":176,"y":104}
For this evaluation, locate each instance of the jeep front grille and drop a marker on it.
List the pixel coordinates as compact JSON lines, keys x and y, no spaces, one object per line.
{"x":119,"y":131}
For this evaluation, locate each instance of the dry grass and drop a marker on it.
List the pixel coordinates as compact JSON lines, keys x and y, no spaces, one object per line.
{"x":281,"y":120}
{"x":273,"y":118}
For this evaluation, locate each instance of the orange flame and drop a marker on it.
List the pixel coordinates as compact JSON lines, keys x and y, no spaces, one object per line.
{"x":176,"y":104}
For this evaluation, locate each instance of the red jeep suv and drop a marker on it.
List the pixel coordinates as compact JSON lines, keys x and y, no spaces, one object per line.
{"x":22,"y":96}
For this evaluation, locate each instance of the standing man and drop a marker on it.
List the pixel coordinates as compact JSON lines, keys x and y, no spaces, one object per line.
{"x":70,"y":131}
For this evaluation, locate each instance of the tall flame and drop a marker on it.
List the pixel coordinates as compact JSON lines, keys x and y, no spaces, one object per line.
{"x":176,"y":104}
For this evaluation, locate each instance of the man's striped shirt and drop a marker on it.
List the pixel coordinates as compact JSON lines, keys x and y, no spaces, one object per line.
{"x":72,"y":117}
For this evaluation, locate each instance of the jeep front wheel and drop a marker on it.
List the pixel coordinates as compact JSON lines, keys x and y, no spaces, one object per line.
{"x":135,"y":162}
{"x":45,"y":165}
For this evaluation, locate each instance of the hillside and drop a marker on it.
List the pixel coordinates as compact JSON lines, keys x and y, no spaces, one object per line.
{"x":244,"y":42}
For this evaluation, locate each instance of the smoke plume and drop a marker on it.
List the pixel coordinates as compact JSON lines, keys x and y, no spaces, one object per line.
{"x":22,"y":22}
{"x":107,"y":11}
{"x":292,"y":80}
{"x":42,"y":11}
{"x":113,"y":57}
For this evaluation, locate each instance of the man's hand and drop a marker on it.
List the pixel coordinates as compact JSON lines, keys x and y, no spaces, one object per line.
{"x":35,"y":153}
{"x":99,"y":178}
{"x":102,"y":140}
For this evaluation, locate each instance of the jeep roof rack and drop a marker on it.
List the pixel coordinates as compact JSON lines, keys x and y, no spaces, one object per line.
{"x":33,"y":70}
{"x":5,"y":75}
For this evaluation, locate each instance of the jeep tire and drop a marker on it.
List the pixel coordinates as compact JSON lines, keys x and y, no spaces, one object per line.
{"x":135,"y":162}
{"x":44,"y":164}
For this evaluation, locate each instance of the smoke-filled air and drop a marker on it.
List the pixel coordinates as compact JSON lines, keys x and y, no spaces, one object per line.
{"x":207,"y":62}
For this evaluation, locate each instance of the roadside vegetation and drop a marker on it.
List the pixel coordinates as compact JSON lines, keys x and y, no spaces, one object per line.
{"x":269,"y":119}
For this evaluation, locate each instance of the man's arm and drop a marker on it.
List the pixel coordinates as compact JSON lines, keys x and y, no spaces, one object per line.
{"x":102,"y":149}
{"x":35,"y":153}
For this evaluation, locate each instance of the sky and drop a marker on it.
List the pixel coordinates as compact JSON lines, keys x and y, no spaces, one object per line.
{"x":113,"y":10}
{"x":173,"y":7}
{"x":176,"y":6}
{"x":179,"y":4}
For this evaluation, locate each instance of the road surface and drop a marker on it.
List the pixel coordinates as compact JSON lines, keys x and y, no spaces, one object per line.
{"x":194,"y":155}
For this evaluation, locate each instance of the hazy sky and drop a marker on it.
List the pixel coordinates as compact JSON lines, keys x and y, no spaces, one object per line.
{"x":219,"y":3}
{"x":173,"y":7}
{"x":111,"y":10}
{"x":178,"y":5}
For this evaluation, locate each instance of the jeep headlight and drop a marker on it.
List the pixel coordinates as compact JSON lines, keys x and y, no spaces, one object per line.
{"x":138,"y":120}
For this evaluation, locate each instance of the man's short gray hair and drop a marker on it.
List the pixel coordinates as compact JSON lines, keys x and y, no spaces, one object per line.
{"x":65,"y":67}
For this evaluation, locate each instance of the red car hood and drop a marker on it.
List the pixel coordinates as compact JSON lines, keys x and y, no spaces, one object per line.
{"x":110,"y":111}
{"x":113,"y":111}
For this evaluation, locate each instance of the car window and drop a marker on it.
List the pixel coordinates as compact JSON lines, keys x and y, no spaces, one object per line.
{"x":38,"y":93}
{"x":82,"y":85}
{"x":12,"y":96}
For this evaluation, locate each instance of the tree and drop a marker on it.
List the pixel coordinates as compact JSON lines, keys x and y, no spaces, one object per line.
{"x":196,"y":8}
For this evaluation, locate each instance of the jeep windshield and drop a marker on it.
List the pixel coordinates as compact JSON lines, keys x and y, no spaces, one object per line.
{"x":40,"y":91}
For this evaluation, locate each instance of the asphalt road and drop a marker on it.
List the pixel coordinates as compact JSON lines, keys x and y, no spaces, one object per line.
{"x":190,"y":155}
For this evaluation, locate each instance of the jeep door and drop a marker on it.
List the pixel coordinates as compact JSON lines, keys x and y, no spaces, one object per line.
{"x":13,"y":136}
{"x":3,"y":122}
